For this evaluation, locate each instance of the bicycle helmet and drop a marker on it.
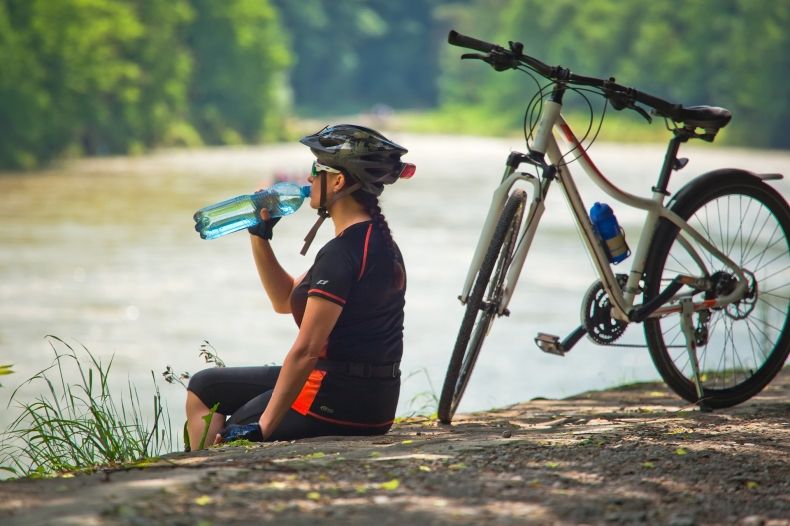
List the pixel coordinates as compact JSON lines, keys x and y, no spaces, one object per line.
{"x":364,"y":155}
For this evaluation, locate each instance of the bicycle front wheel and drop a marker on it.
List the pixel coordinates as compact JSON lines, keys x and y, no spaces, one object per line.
{"x":482,"y":305}
{"x":741,"y":346}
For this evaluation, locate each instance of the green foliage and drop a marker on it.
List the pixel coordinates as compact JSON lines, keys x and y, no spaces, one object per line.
{"x":238,"y":90}
{"x":80,"y":426}
{"x":354,"y":54}
{"x":730,"y":53}
{"x":120,"y":76}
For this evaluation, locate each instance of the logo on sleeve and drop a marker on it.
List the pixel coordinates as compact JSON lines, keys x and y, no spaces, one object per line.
{"x":322,"y":282}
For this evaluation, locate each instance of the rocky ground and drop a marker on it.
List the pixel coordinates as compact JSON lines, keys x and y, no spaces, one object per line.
{"x":635,"y":454}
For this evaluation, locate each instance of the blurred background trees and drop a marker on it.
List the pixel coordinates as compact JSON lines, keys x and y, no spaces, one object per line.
{"x":93,"y":77}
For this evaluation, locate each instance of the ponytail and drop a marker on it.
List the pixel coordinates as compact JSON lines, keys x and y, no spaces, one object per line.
{"x":370,"y":203}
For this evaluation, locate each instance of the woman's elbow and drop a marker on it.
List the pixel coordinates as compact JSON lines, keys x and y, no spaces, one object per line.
{"x":282,"y":308}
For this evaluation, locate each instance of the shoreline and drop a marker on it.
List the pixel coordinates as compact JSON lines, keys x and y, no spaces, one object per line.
{"x":629,"y":454}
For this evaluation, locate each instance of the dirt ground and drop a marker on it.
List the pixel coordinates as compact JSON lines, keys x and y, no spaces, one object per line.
{"x":630,"y":455}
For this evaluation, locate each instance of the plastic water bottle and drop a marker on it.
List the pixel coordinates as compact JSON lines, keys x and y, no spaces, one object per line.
{"x":243,"y":211}
{"x":609,"y":230}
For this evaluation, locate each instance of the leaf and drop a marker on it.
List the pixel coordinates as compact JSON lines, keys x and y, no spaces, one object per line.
{"x":751,"y":484}
{"x":375,"y":454}
{"x":203,"y":500}
{"x":407,"y":442}
{"x":6,"y":369}
{"x":648,"y":465}
{"x":425,"y":469}
{"x":552,"y":465}
{"x":317,"y":454}
{"x":391,"y":485}
{"x":680,"y":451}
{"x":314,"y":495}
{"x":459,"y":465}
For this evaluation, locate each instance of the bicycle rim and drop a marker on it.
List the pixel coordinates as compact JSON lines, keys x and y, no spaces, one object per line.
{"x":743,"y":345}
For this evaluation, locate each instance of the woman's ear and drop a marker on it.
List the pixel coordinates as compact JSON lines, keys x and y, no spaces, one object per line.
{"x":339,"y":182}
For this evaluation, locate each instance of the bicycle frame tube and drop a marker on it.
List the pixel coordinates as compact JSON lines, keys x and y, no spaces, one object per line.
{"x":622,"y":300}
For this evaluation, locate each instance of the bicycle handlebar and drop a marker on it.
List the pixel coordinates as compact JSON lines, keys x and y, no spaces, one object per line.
{"x":621,"y":97}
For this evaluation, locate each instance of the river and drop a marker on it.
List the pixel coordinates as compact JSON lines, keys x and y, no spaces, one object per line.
{"x":102,"y":253}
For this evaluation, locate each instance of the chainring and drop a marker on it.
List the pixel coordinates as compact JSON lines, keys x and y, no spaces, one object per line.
{"x":597,"y":314}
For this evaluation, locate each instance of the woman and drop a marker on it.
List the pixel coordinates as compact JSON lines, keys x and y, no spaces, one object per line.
{"x":341,"y":375}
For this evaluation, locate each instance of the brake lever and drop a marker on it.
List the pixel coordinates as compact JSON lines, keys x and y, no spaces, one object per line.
{"x":641,"y":111}
{"x":475,"y":56}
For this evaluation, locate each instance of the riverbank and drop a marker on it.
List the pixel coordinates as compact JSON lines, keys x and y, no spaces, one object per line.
{"x":634,"y":454}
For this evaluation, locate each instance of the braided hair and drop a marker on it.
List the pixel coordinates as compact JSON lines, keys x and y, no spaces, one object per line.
{"x":370,"y":203}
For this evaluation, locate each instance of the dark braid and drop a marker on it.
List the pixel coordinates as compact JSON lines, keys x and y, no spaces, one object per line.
{"x":370,"y":203}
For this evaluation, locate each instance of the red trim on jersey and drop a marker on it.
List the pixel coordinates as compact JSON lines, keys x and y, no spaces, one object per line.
{"x":365,"y":252}
{"x":327,"y":294}
{"x":346,"y":422}
{"x":307,"y":395}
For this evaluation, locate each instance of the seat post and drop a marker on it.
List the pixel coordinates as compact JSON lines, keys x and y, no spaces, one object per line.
{"x":670,"y":160}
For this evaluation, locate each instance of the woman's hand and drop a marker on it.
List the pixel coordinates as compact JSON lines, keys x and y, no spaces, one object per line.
{"x":251,"y":432}
{"x":264,"y":229}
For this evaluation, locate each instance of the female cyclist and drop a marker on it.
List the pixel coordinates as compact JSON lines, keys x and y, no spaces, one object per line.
{"x":341,"y":375}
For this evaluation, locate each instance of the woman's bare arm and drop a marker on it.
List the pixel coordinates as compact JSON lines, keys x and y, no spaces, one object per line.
{"x":277,"y":283}
{"x":320,"y":317}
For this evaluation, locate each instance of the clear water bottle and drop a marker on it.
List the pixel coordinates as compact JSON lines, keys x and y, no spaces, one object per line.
{"x":609,"y":230}
{"x":243,"y":211}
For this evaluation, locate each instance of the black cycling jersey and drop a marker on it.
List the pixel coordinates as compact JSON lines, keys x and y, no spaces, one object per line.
{"x":354,"y":270}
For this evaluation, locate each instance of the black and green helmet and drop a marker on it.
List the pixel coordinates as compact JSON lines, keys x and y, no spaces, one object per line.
{"x":363,"y":154}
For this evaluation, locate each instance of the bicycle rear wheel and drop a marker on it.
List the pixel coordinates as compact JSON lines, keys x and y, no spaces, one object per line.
{"x":741,"y":346}
{"x":480,"y":313}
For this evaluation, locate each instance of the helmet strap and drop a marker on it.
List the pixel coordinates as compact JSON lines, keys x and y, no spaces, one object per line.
{"x":323,"y":210}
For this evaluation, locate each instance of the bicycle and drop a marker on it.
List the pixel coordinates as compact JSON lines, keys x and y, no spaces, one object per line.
{"x":712,"y":266}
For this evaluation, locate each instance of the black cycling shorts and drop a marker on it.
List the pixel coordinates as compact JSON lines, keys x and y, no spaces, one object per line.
{"x":243,"y":394}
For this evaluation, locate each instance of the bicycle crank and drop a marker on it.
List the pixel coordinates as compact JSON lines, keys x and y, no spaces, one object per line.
{"x":596,"y":315}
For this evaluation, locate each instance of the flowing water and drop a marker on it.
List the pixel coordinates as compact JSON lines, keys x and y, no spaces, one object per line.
{"x":103,"y":253}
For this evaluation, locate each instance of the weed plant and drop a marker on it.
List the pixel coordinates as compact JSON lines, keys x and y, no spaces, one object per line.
{"x":80,"y":426}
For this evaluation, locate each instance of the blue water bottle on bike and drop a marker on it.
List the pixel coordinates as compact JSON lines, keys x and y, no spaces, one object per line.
{"x":605,"y":223}
{"x":242,"y":212}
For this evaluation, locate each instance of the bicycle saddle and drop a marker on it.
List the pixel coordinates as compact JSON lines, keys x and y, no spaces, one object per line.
{"x":710,"y":118}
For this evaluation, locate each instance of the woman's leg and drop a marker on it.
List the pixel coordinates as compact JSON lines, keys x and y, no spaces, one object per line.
{"x":231,"y":388}
{"x":196,"y":424}
{"x":295,"y":425}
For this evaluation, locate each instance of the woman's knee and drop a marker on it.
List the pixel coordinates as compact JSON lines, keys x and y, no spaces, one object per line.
{"x":199,"y":380}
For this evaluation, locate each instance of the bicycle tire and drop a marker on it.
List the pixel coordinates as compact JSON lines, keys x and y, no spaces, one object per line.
{"x":746,"y":343}
{"x":479,"y":315}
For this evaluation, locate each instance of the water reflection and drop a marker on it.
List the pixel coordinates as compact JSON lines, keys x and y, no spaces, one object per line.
{"x":103,"y":252}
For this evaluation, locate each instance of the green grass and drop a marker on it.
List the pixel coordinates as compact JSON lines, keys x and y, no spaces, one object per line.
{"x":458,"y":120}
{"x":81,"y":426}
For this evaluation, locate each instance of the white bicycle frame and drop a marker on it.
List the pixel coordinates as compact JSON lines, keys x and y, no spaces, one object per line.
{"x":551,"y":127}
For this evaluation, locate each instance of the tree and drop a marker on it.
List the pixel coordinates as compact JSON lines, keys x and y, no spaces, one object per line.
{"x":238,"y":90}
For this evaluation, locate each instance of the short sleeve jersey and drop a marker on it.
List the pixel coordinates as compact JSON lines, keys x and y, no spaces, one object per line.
{"x":355,"y":270}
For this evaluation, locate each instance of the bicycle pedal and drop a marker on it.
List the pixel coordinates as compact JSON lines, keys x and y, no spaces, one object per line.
{"x":549,"y":343}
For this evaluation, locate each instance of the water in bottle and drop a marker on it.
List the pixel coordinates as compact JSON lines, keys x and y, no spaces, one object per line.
{"x":609,"y":230}
{"x":243,"y":211}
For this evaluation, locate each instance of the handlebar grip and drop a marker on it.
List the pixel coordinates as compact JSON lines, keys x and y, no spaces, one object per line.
{"x":457,"y":39}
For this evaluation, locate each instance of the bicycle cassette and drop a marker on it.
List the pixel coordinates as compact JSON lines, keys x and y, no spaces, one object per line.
{"x":597,"y":314}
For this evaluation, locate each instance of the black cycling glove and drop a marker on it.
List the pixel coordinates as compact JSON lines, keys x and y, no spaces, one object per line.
{"x":264,"y":229}
{"x":251,"y":432}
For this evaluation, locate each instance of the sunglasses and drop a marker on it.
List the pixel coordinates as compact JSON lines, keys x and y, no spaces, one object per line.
{"x":318,"y":168}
